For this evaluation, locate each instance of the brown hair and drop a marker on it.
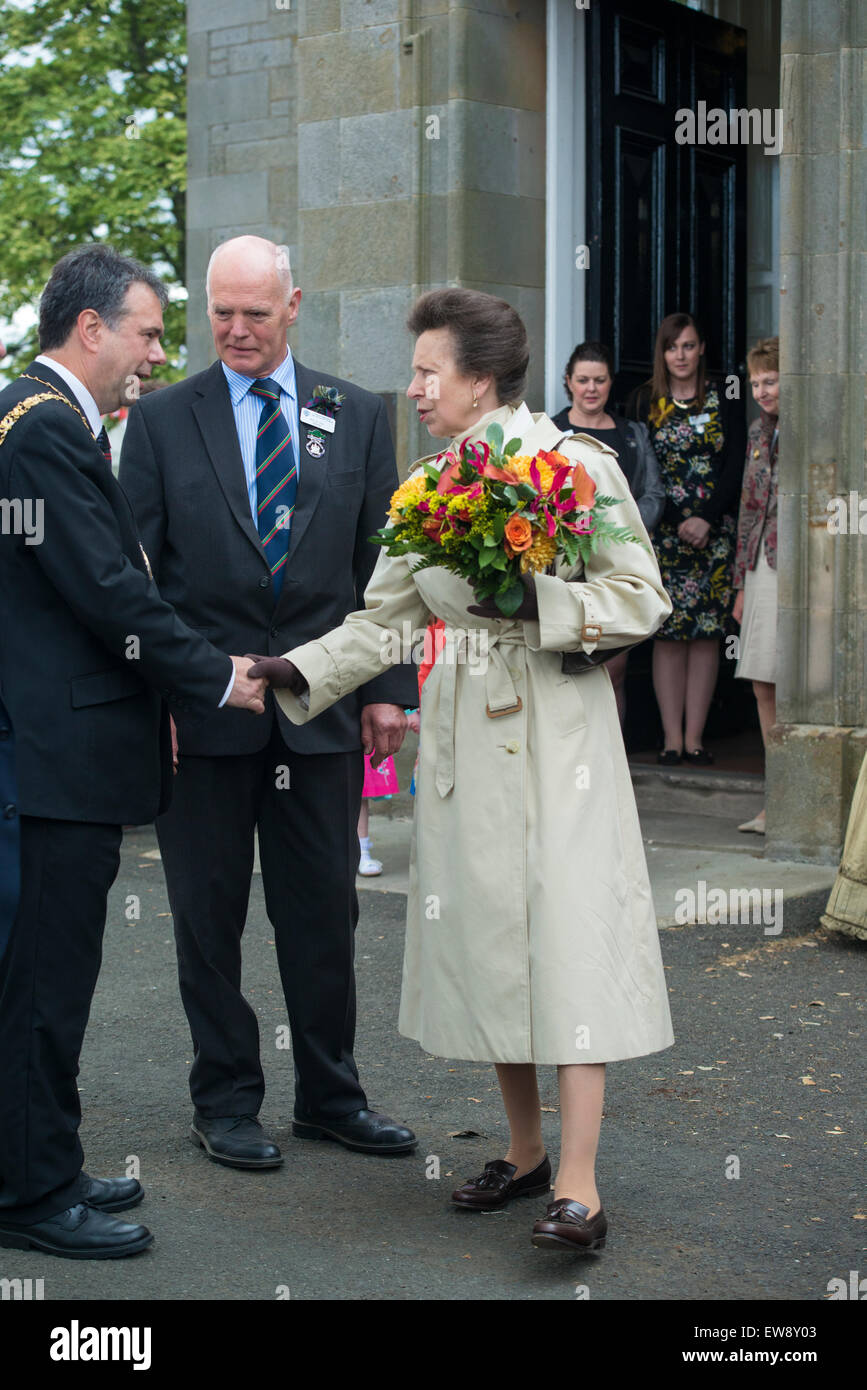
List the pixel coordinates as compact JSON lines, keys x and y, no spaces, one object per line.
{"x":591,"y":351}
{"x":660,"y":387}
{"x":765,"y":356}
{"x":488,"y":334}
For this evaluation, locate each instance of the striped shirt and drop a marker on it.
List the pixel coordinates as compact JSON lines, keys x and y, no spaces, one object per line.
{"x":247,"y":409}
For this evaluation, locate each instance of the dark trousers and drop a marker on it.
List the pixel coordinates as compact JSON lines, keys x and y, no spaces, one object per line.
{"x":306,"y":810}
{"x":47,"y":978}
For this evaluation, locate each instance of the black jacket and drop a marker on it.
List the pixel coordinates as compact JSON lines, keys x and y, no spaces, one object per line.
{"x":182,"y":469}
{"x":10,"y":865}
{"x":638,"y":463}
{"x":87,"y":646}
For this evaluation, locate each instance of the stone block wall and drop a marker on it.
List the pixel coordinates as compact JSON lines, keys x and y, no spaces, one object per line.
{"x":814,"y":757}
{"x":395,"y":145}
{"x":242,"y":150}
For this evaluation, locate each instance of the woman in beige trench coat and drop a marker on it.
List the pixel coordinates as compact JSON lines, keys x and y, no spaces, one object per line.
{"x":531,"y":934}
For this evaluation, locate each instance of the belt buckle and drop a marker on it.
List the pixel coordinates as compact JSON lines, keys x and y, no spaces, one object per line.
{"x":591,"y":632}
{"x":510,"y":709}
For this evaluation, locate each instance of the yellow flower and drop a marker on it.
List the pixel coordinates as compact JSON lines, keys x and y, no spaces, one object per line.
{"x":520,"y":464}
{"x":541,"y":552}
{"x":413,"y":490}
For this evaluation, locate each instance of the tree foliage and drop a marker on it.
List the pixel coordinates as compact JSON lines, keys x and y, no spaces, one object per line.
{"x":92,"y":142}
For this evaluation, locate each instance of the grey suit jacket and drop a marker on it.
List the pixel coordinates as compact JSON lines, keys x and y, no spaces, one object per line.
{"x":182,"y":470}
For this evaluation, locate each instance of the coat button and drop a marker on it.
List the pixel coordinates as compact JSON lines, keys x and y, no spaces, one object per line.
{"x":264,"y":582}
{"x":275,"y":632}
{"x":9,"y":811}
{"x":513,"y":746}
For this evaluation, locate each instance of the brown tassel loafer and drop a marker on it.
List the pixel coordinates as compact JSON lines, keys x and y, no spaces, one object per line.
{"x":565,"y":1226}
{"x":497,"y":1186}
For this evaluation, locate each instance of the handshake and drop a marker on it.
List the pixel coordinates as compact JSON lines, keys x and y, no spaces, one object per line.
{"x":254,"y":673}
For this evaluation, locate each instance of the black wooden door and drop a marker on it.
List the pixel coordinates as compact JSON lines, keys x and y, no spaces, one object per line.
{"x":667,"y":221}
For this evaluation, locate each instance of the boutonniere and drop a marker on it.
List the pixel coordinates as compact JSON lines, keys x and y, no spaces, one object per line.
{"x":319,"y":415}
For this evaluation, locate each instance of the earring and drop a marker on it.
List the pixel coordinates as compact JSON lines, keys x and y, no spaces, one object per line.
{"x":475,"y":402}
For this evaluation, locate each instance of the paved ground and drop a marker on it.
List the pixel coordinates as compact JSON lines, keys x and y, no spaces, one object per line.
{"x":767,"y":1070}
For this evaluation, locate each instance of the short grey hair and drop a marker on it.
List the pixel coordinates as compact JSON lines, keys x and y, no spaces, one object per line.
{"x":282,"y":266}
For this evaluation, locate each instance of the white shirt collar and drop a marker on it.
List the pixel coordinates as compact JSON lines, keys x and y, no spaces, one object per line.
{"x":79,"y":391}
{"x":239,"y":384}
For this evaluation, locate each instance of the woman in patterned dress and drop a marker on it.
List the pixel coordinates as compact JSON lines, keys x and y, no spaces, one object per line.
{"x":698,"y":437}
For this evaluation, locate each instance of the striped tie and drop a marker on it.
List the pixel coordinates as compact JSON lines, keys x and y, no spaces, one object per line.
{"x":102,"y":441}
{"x":276,"y":479}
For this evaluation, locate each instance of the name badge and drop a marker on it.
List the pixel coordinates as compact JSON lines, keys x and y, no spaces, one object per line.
{"x":699,"y":421}
{"x":313,"y":417}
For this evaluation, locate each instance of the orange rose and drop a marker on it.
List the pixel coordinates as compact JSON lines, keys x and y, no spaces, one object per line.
{"x":583,"y":487}
{"x":518,"y":533}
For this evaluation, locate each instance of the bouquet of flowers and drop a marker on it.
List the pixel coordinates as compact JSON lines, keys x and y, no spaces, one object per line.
{"x":492,"y":515}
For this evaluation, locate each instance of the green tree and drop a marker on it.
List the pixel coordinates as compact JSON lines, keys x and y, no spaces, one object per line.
{"x":92,"y":143}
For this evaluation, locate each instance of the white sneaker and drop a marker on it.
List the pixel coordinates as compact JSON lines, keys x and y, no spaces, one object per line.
{"x":367,"y":866}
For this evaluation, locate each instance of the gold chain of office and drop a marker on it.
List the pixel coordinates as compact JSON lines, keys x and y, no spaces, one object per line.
{"x":25,"y":406}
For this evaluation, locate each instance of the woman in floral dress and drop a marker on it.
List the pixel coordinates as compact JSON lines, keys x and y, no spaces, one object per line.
{"x":698,"y":437}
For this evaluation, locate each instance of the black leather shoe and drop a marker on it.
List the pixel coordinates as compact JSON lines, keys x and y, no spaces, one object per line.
{"x":81,"y":1233}
{"x":237,"y":1141}
{"x":111,"y":1194}
{"x":565,"y":1226}
{"x":494,"y":1188}
{"x":363,"y":1130}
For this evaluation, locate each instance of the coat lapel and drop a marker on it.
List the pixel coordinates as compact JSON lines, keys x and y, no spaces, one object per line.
{"x":216,"y":421}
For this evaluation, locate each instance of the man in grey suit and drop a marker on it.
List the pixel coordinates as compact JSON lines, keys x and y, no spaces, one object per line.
{"x":256,"y":485}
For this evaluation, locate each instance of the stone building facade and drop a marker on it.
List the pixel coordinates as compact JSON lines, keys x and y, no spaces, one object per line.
{"x":397,"y":145}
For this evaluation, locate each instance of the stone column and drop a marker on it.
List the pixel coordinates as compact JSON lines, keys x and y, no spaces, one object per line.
{"x":421,"y":147}
{"x":816,"y":749}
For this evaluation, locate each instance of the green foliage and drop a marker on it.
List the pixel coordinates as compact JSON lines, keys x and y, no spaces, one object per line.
{"x":78,"y":81}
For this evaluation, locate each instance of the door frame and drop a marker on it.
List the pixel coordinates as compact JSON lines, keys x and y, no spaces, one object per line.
{"x":566,"y":185}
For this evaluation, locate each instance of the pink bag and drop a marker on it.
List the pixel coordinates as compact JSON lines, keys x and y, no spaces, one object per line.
{"x":380,"y":781}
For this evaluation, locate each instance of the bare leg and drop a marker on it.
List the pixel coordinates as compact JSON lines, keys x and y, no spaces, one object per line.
{"x":669,"y":684}
{"x":523,"y":1111}
{"x":766,"y":699}
{"x":616,"y":668}
{"x":363,"y":820}
{"x":582,"y":1091}
{"x":701,"y":674}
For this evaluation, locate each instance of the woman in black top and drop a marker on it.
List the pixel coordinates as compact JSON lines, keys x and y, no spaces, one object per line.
{"x":699,"y":439}
{"x":588,"y":380}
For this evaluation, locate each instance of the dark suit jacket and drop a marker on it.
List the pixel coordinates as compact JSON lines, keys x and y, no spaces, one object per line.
{"x":91,"y":741}
{"x":182,"y":469}
{"x":10,"y":847}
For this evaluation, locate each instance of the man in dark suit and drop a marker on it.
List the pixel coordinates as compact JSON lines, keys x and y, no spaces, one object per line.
{"x":87,"y":649}
{"x":256,"y":484}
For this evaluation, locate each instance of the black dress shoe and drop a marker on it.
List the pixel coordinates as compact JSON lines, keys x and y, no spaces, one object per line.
{"x":111,"y":1194}
{"x":565,"y":1227}
{"x":363,"y":1130}
{"x":80,"y":1233}
{"x":669,"y":757}
{"x":237,"y":1141}
{"x":699,"y":757}
{"x":497,"y":1186}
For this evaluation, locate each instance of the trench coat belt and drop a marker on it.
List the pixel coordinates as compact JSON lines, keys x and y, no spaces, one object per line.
{"x":499,"y":690}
